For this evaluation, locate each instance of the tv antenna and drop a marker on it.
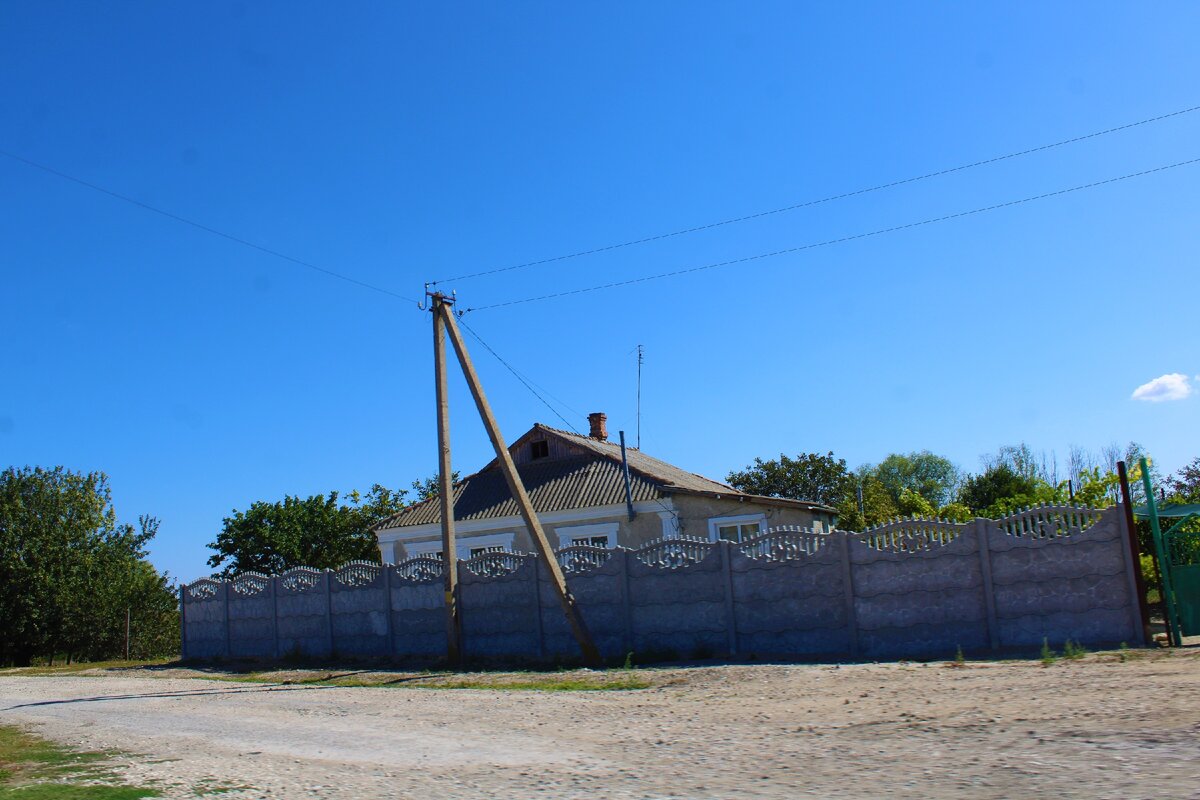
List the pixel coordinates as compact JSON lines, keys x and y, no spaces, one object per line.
{"x":640,"y":352}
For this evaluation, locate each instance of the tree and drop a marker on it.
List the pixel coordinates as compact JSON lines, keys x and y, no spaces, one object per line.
{"x":316,"y":531}
{"x":1001,"y":481}
{"x":431,"y":486}
{"x":69,"y":571}
{"x":931,"y":476}
{"x":1184,"y":485}
{"x":877,"y":505}
{"x":809,"y":476}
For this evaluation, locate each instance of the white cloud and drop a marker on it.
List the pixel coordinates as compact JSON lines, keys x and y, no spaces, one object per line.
{"x":1172,"y":386}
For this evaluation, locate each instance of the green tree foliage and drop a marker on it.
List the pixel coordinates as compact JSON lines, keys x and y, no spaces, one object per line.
{"x":914,"y":505}
{"x":981,"y":493}
{"x":429,"y":487}
{"x":69,"y":570}
{"x":317,"y":531}
{"x":1184,"y":485}
{"x":809,"y":476}
{"x":1000,"y":490}
{"x":877,"y":505}
{"x":956,"y":512}
{"x":931,"y":476}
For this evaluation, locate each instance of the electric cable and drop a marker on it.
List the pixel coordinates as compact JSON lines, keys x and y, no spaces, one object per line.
{"x":205,"y":228}
{"x":519,"y":377}
{"x":826,"y":243}
{"x":527,"y":385}
{"x":829,"y":199}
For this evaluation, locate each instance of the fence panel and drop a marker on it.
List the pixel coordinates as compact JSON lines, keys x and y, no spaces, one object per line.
{"x":907,"y":588}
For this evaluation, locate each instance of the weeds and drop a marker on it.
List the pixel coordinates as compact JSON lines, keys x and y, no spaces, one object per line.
{"x":34,"y":769}
{"x":959,"y":659}
{"x":1048,"y":655}
{"x":1073,"y":651}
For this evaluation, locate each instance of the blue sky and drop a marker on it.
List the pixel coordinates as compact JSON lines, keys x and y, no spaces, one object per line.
{"x":404,"y":143}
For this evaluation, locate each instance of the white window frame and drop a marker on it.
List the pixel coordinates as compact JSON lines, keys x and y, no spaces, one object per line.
{"x":418,"y":549}
{"x":739,"y":519}
{"x":463,"y":545}
{"x":569,"y":532}
{"x":468,"y":543}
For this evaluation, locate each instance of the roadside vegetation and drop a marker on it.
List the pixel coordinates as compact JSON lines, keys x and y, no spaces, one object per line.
{"x":73,"y":578}
{"x":33,"y":769}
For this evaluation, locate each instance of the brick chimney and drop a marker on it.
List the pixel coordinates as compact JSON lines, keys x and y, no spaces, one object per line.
{"x":598,"y":422}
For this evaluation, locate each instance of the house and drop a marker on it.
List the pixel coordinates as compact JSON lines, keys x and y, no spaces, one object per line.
{"x":577,"y":487}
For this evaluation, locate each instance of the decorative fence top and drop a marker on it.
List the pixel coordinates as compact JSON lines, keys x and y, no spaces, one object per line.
{"x":358,"y":573}
{"x":249,"y":584}
{"x":299,"y":580}
{"x":495,"y":564}
{"x":1050,"y":520}
{"x":421,"y":568}
{"x":583,"y":558}
{"x":674,"y":553}
{"x":786,"y":543}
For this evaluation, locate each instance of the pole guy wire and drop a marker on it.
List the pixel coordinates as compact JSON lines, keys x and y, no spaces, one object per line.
{"x":206,"y":228}
{"x":526,"y":383}
{"x":829,"y":199}
{"x":826,"y":243}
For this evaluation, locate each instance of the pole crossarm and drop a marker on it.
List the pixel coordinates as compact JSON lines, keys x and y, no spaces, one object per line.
{"x":516,"y":487}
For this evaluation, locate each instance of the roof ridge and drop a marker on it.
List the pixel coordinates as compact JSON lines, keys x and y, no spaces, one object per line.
{"x":594,"y":444}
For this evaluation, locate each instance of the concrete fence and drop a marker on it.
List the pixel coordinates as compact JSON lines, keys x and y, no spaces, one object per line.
{"x":910,"y":588}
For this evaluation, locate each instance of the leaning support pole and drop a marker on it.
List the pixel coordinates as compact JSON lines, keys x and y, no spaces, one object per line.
{"x":446,"y":486}
{"x":591,"y":655}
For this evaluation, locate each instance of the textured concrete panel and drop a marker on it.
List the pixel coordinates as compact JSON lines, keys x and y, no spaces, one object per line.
{"x":1094,"y":627}
{"x":909,"y":588}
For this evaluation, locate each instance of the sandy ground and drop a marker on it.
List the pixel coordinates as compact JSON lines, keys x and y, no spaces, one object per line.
{"x":1095,"y":728}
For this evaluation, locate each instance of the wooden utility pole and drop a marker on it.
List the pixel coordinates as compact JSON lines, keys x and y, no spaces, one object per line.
{"x":591,"y":655}
{"x":446,"y":481}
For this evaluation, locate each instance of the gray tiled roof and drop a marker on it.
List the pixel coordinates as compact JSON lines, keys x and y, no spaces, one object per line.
{"x":554,"y":485}
{"x":659,"y":471}
{"x":588,"y":479}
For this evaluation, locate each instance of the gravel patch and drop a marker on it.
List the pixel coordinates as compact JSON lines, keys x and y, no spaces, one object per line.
{"x":1100,"y":727}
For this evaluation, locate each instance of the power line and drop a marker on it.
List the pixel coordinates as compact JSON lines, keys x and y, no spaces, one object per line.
{"x":828,"y":242}
{"x":527,"y":384}
{"x":829,"y":199}
{"x":205,"y":228}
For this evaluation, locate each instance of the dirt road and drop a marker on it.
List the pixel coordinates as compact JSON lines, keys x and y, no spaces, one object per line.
{"x":1095,"y":728}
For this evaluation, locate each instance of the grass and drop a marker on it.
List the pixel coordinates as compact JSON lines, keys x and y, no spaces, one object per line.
{"x":1073,"y":651}
{"x":33,"y":769}
{"x":82,"y":668}
{"x":1048,"y":655}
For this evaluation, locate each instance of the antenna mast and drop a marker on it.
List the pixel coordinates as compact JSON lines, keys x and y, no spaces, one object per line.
{"x":639,"y":398}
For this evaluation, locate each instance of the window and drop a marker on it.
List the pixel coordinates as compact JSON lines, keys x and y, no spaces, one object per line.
{"x":738,"y":532}
{"x":539,"y":450}
{"x":601,"y":534}
{"x":736,"y":529}
{"x":423,"y":550}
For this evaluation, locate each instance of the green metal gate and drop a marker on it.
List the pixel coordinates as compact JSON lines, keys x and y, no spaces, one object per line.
{"x":1183,"y":562}
{"x":1178,"y":552}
